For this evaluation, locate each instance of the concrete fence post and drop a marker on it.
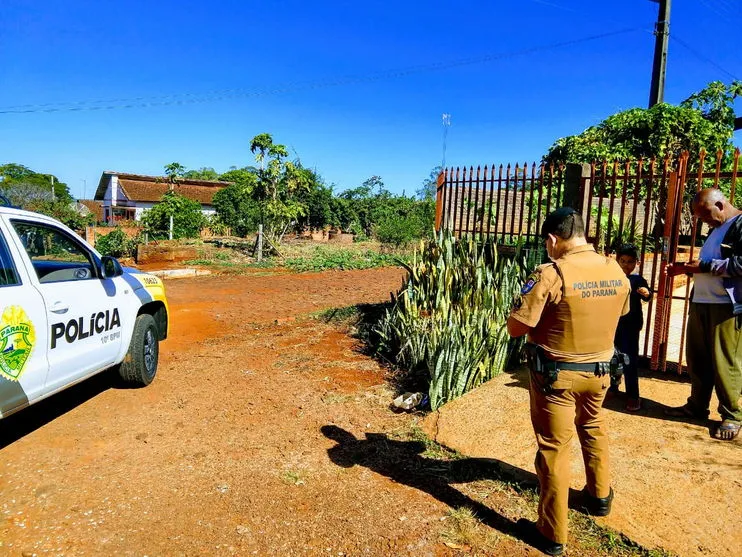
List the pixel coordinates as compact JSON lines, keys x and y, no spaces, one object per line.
{"x":577,"y":188}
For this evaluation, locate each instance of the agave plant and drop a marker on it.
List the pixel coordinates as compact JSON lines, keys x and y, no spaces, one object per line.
{"x":449,"y":317}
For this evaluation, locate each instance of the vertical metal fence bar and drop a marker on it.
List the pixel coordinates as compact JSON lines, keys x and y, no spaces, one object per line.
{"x":682,"y":178}
{"x":648,"y":210}
{"x":454,"y":227}
{"x":483,"y":208}
{"x":498,"y":220}
{"x":601,"y":195}
{"x":523,"y":190}
{"x":505,"y":202}
{"x":491,"y":201}
{"x":451,"y":184}
{"x":531,"y":236}
{"x":634,"y":210}
{"x":514,"y":185}
{"x":560,"y":189}
{"x":693,"y":234}
{"x":588,"y":210}
{"x":659,"y":332}
{"x":549,"y":190}
{"x":462,"y":203}
{"x":468,"y":200}
{"x":719,"y":156}
{"x":622,"y":211}
{"x":541,"y":179}
{"x":611,"y":205}
{"x":733,"y":187}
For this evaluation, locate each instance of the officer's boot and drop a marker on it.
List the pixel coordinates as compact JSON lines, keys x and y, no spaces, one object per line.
{"x":596,"y":506}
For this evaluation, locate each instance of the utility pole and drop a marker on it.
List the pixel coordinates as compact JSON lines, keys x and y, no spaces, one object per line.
{"x":52,"y":177}
{"x":659,"y":66}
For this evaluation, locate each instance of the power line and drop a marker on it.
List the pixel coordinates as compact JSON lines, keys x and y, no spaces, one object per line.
{"x":702,"y":56}
{"x":193,"y":98}
{"x":728,"y":7}
{"x":558,"y":6}
{"x":721,"y":9}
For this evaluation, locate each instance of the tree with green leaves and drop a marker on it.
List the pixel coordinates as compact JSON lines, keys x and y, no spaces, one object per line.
{"x":279,"y":181}
{"x":33,"y":183}
{"x":203,"y":173}
{"x":705,"y":120}
{"x":174,"y":172}
{"x":235,"y":205}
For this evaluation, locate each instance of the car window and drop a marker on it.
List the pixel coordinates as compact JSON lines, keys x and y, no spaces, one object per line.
{"x":56,"y":256}
{"x":8,"y":274}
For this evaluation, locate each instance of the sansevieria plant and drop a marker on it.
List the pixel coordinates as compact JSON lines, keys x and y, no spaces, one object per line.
{"x":449,"y":317}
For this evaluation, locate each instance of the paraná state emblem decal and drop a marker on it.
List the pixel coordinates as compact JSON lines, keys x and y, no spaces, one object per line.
{"x":17,"y":340}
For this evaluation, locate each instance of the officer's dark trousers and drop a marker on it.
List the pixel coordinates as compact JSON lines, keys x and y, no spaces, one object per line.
{"x":575,"y":402}
{"x":714,"y":352}
{"x":627,"y":341}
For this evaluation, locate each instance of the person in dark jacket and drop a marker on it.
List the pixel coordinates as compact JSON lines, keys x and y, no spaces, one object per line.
{"x":630,"y":325}
{"x":714,"y":347}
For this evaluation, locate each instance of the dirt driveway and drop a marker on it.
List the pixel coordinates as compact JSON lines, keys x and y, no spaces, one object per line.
{"x":265,"y":432}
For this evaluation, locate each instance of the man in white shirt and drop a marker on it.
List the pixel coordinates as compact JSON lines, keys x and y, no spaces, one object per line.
{"x":714,"y":345}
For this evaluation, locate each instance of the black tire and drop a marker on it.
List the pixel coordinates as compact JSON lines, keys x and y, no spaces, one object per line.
{"x":140,"y":363}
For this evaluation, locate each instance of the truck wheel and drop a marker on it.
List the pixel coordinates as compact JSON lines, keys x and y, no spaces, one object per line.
{"x":140,"y":363}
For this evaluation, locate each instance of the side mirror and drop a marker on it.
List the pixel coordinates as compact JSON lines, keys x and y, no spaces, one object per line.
{"x":110,"y":267}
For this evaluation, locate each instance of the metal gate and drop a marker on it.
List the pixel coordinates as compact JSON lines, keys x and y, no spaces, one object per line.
{"x":645,"y":202}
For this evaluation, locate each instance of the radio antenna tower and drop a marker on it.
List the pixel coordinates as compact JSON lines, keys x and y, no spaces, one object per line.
{"x":446,"y":125}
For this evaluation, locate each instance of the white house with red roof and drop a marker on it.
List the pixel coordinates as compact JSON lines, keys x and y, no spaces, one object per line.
{"x":127,"y":196}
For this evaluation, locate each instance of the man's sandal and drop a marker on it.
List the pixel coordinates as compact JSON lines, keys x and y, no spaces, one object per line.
{"x":727,"y":431}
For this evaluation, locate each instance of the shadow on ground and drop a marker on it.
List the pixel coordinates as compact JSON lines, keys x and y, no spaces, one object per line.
{"x":28,"y":420}
{"x":402,"y":462}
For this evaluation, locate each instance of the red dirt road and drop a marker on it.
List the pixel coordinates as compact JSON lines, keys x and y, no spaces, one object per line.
{"x":266,"y":432}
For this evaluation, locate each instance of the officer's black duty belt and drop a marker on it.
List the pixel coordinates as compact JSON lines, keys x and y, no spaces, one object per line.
{"x":576,"y":367}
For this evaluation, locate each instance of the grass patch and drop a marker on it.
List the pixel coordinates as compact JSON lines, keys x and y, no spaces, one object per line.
{"x":414,"y":433}
{"x":293,"y":477}
{"x":338,"y":315}
{"x":599,"y":539}
{"x":464,"y":531}
{"x":335,"y":398}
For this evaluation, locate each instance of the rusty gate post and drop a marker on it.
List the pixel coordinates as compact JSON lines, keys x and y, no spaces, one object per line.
{"x":577,"y":188}
{"x":660,"y":336}
{"x":440,"y":185}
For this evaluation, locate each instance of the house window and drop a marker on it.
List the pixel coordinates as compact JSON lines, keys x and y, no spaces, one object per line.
{"x":123,"y":213}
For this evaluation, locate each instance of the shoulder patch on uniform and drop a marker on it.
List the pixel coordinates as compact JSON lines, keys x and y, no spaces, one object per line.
{"x":533,"y":278}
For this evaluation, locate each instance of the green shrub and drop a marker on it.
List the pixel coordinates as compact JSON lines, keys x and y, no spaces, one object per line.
{"x":449,"y":317}
{"x":400,"y":230}
{"x":188,"y":220}
{"x":116,"y":244}
{"x":323,"y":259}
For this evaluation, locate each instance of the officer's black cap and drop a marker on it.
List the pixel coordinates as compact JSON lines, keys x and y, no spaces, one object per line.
{"x":565,"y":222}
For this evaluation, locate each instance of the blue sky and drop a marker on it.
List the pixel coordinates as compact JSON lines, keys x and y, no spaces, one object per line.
{"x":322,"y":78}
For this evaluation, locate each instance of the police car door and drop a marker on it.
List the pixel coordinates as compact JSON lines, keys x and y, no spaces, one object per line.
{"x":23,"y":332}
{"x":84,"y":320}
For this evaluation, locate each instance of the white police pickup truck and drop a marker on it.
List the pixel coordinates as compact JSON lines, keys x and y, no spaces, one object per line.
{"x":67,"y":313}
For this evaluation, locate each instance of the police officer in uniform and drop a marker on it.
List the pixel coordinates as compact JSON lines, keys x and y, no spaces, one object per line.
{"x":569,"y":309}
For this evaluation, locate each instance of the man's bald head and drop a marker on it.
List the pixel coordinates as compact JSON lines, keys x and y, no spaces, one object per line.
{"x":712,"y":207}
